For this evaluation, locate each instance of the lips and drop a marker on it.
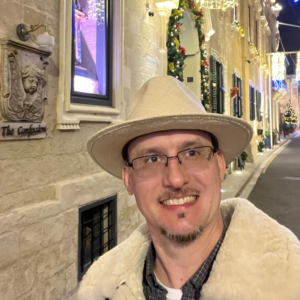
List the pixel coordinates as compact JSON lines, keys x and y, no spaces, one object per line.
{"x":181,"y":201}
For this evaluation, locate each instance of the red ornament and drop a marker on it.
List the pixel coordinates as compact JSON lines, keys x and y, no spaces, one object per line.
{"x":234,"y":92}
{"x":193,"y":4}
{"x":200,"y":14}
{"x":178,"y":25}
{"x":206,"y":64}
{"x":182,"y":50}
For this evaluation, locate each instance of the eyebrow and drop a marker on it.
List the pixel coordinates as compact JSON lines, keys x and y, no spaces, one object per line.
{"x":159,"y":151}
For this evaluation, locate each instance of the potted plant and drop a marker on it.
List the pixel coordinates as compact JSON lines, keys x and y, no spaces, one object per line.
{"x":261,"y":146}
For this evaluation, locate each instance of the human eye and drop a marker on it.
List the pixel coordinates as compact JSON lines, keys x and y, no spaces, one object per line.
{"x":152,"y":159}
{"x":192,"y":152}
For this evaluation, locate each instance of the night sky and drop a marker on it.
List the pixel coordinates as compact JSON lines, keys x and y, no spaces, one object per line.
{"x":290,"y":35}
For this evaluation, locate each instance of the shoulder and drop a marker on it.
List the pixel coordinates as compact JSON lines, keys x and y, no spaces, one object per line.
{"x":259,"y":251}
{"x":119,"y":265}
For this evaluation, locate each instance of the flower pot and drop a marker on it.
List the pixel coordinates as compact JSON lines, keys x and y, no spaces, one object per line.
{"x":268,"y":143}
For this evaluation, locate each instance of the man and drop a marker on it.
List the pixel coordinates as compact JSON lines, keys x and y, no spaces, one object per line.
{"x":172,"y":157}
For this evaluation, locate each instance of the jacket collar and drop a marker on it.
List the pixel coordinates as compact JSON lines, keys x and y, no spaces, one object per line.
{"x":259,"y":259}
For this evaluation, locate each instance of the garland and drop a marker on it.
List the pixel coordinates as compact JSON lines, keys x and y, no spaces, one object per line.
{"x":239,"y":28}
{"x":176,"y":53}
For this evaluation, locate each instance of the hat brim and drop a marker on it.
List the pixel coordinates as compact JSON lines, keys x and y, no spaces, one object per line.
{"x":105,"y":147}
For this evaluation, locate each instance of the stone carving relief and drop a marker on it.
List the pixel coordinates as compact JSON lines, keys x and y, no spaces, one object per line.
{"x":23,"y":82}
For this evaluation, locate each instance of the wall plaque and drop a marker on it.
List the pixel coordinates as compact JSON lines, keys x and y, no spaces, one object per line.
{"x":23,"y":81}
{"x":151,"y":61}
{"x":22,"y":131}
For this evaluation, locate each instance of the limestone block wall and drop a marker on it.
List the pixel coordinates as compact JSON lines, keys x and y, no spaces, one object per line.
{"x":44,"y":182}
{"x":142,"y":36}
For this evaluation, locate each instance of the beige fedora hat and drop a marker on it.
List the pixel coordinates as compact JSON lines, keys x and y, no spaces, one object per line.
{"x":165,"y":103}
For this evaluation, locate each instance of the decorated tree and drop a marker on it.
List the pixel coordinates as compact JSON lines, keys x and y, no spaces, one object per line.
{"x":289,"y":114}
{"x":176,"y":53}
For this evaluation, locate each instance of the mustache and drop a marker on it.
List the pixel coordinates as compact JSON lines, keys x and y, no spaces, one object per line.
{"x":180,"y":193}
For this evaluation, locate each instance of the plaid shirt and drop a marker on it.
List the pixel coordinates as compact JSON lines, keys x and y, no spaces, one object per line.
{"x":192,"y":289}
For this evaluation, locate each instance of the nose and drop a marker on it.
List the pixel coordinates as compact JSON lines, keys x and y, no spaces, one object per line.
{"x":175,"y":175}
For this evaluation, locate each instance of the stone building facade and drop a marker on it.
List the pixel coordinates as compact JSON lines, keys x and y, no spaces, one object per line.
{"x":44,"y":182}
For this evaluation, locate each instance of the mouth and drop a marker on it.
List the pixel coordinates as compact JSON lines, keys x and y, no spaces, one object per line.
{"x":181,"y":201}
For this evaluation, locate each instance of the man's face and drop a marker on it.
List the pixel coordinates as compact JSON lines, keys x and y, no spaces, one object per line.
{"x":176,"y":182}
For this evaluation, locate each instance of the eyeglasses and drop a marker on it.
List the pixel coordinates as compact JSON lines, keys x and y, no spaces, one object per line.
{"x":191,"y":160}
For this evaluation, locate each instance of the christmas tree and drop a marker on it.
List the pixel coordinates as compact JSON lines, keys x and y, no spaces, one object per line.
{"x":289,"y":114}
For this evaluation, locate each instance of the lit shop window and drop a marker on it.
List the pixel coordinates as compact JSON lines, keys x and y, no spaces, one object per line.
{"x":92,"y":51}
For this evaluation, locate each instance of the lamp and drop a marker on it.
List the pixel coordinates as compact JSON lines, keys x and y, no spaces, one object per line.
{"x":43,"y":40}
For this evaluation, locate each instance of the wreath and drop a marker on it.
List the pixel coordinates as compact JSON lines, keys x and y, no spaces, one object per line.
{"x":176,"y":53}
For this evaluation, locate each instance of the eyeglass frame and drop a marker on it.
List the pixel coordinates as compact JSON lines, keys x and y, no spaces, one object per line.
{"x":130,"y":164}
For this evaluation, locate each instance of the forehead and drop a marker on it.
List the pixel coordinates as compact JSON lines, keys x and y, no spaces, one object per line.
{"x":177,"y":138}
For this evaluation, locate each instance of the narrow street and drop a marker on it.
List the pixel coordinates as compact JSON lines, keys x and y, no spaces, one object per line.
{"x":277,"y":191}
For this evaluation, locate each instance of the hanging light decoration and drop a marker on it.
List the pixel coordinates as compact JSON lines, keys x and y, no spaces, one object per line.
{"x":298,"y":69}
{"x":97,"y":10}
{"x":218,"y":4}
{"x":278,"y":70}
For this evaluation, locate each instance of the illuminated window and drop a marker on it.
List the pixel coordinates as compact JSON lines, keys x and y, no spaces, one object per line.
{"x":92,"y":52}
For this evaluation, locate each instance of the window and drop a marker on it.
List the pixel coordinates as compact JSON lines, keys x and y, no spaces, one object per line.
{"x":218,"y":86}
{"x":97,"y":232}
{"x":91,"y":81}
{"x":238,"y":100}
{"x":249,"y":24}
{"x":252,"y":103}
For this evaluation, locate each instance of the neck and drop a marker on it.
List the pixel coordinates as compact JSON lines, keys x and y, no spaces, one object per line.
{"x":175,"y":265}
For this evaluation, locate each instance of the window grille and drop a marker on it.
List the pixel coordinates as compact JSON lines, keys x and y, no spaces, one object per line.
{"x":92,"y":50}
{"x":97,"y":232}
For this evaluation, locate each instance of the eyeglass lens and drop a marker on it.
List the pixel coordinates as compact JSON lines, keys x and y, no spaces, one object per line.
{"x":191,"y":160}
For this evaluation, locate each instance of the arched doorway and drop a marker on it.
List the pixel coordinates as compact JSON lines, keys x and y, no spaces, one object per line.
{"x":190,"y":41}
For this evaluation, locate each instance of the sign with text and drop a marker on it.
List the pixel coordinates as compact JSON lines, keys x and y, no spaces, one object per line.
{"x":22,"y":131}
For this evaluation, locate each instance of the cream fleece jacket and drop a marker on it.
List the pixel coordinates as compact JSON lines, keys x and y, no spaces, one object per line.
{"x":258,"y":260}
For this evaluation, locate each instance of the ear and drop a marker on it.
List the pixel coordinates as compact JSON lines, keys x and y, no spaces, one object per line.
{"x":127,"y":180}
{"x":222,"y":164}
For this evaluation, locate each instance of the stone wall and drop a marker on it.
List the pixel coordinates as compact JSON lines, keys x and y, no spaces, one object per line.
{"x":233,"y":51}
{"x":44,"y":182}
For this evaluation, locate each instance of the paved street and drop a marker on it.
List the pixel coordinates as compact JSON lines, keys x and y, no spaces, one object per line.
{"x":277,"y":192}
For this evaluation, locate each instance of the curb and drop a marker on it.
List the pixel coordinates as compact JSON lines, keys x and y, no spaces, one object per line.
{"x":248,"y":186}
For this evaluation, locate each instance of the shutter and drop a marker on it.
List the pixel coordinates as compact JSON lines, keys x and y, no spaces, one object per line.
{"x":213,"y":66}
{"x":253,"y":103}
{"x":251,"y":112}
{"x":222,"y":111}
{"x":235,"y":100}
{"x":241,"y":99}
{"x":257,"y":106}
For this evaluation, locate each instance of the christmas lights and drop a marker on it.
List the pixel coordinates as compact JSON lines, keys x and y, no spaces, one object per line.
{"x":97,"y":10}
{"x":298,"y":69}
{"x":218,"y":4}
